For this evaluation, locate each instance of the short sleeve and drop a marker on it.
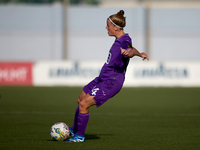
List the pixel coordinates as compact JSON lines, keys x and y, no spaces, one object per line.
{"x":126,"y":44}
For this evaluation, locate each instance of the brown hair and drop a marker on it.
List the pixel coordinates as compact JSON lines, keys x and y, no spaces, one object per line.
{"x":119,"y":19}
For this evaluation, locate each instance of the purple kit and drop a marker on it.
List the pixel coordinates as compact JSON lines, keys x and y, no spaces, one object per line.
{"x":112,"y":75}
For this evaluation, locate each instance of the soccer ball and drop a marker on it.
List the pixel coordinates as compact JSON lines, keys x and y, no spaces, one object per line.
{"x":59,"y":131}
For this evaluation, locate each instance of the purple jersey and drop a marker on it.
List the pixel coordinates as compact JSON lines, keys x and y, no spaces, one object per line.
{"x":112,"y":75}
{"x":116,"y":64}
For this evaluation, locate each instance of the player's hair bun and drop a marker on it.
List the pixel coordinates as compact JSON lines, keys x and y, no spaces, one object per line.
{"x":121,"y":12}
{"x":119,"y":19}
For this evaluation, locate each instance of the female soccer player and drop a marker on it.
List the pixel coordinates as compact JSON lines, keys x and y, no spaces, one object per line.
{"x":111,"y":77}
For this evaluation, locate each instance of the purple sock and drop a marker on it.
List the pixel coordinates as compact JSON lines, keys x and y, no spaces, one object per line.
{"x":82,"y":123}
{"x":75,"y":125}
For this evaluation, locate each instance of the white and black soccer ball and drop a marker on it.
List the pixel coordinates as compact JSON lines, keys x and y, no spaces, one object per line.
{"x":59,"y":131}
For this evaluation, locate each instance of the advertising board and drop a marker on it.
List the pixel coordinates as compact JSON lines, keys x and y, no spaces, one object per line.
{"x":16,"y":73}
{"x":144,"y":73}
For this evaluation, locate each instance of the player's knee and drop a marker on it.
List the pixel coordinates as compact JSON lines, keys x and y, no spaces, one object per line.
{"x":79,"y":100}
{"x":82,"y":105}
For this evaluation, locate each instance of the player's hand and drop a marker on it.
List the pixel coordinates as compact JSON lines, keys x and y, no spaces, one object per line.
{"x":144,"y":56}
{"x":124,"y":52}
{"x":128,"y":53}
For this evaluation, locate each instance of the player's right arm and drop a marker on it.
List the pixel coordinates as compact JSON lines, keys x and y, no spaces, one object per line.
{"x":127,"y":49}
{"x":130,"y":52}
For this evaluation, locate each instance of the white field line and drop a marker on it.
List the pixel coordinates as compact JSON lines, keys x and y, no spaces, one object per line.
{"x":30,"y":112}
{"x":107,"y":114}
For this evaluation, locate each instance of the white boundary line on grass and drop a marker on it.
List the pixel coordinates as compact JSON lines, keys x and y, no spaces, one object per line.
{"x":31,"y":112}
{"x":110,"y":114}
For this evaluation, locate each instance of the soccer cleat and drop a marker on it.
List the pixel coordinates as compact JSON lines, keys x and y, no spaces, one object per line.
{"x":77,"y":138}
{"x":71,"y":132}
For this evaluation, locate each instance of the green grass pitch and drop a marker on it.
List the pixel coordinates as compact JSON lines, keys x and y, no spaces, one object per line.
{"x":135,"y":119}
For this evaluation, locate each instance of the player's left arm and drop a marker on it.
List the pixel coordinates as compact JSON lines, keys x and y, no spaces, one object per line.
{"x":142,"y":55}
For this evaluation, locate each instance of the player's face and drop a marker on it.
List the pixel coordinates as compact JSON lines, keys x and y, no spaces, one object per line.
{"x":110,"y":28}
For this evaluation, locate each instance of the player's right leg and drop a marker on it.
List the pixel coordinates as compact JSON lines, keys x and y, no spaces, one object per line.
{"x":81,"y":113}
{"x":83,"y":118}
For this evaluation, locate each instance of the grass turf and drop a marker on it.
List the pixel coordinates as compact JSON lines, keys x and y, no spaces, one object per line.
{"x":135,"y":119}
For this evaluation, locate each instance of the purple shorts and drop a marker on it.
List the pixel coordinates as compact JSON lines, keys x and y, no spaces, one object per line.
{"x":102,"y":89}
